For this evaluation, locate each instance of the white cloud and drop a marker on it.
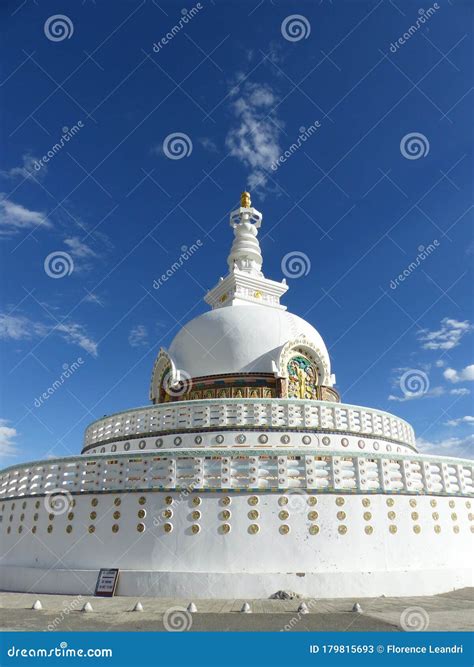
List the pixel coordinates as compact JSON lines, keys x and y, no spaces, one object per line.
{"x":78,"y":248}
{"x":461,"y":391}
{"x":468,"y":419}
{"x":15,"y":218}
{"x":138,"y":336}
{"x":19,"y":327}
{"x":464,"y":375}
{"x":434,"y":392}
{"x":254,"y":139}
{"x":462,"y":447}
{"x":91,"y":297}
{"x":82,"y":254}
{"x":440,"y":363}
{"x":75,"y":333}
{"x":447,"y":337}
{"x":27,"y":169}
{"x":7,"y":436}
{"x":208,"y":144}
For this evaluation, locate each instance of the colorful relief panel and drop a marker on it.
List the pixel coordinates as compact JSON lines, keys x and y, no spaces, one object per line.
{"x":302,"y":378}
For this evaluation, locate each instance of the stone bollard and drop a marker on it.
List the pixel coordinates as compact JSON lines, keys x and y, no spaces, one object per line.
{"x":357,"y":608}
{"x":192,"y":608}
{"x":37,"y":606}
{"x":246,"y":608}
{"x":87,"y":608}
{"x":138,"y":607}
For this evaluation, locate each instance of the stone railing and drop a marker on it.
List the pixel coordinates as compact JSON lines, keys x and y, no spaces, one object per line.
{"x":243,"y":469}
{"x":245,"y":413}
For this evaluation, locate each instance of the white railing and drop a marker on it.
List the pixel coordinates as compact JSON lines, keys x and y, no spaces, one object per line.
{"x":245,"y":413}
{"x":242,"y":469}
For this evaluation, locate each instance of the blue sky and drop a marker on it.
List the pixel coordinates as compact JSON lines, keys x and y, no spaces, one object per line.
{"x":381,"y":166}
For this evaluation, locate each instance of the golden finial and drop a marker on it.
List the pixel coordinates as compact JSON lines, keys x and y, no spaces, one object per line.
{"x":245,"y":200}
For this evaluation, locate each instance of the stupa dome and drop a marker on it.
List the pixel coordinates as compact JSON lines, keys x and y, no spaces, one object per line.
{"x":248,"y":345}
{"x":241,"y":339}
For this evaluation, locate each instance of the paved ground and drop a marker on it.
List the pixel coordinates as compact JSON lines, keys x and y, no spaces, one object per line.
{"x":450,"y":611}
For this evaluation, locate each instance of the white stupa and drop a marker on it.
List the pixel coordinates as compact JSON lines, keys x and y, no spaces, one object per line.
{"x":245,"y":476}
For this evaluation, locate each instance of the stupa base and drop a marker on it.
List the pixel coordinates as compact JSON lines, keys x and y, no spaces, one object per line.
{"x":208,"y":585}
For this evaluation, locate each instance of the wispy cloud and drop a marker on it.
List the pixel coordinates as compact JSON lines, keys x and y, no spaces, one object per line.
{"x":138,"y":336}
{"x":19,"y":327}
{"x":460,"y":391}
{"x":15,"y":218}
{"x":254,"y":137}
{"x":208,"y":144}
{"x":26,"y":170}
{"x":447,"y":337}
{"x":7,"y":437}
{"x":464,"y":375}
{"x":434,"y":392}
{"x":92,"y":297}
{"x":448,"y":446}
{"x":82,"y":253}
{"x":468,"y":419}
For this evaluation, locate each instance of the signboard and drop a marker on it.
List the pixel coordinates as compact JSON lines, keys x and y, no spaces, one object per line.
{"x":107,"y":582}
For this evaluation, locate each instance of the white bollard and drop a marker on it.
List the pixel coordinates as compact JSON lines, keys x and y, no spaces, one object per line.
{"x":192,"y":608}
{"x":357,"y":608}
{"x":303,"y":608}
{"x":246,"y":608}
{"x":138,"y":607}
{"x":87,"y":607}
{"x":37,"y":606}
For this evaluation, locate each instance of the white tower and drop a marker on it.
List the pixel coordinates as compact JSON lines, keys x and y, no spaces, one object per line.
{"x":245,"y":282}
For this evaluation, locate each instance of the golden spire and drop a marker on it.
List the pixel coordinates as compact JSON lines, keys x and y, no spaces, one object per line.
{"x":245,"y":200}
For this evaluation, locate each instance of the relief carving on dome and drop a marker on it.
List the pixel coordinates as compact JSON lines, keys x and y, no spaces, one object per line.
{"x":303,"y":368}
{"x":163,"y":365}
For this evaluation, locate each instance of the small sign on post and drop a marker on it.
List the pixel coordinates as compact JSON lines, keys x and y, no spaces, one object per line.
{"x":107,"y":582}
